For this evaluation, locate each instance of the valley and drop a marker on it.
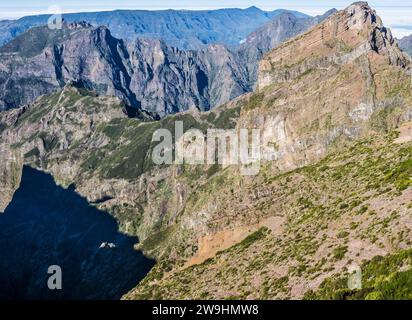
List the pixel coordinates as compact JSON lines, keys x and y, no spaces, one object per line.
{"x":49,"y":225}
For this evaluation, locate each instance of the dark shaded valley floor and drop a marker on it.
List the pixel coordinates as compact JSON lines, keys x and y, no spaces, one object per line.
{"x":47,"y":225}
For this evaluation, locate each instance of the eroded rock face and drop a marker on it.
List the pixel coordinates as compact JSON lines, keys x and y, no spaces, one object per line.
{"x":10,"y":174}
{"x":338,"y":67}
{"x":146,"y":74}
{"x":166,"y":80}
{"x":271,"y":35}
{"x":341,"y":39}
{"x":31,"y":67}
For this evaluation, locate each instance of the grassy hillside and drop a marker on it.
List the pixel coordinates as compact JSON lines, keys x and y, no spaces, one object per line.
{"x":384,"y":278}
{"x":350,"y":207}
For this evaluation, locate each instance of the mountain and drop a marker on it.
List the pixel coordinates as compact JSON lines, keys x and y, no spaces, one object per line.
{"x":272,"y":34}
{"x":281,"y":28}
{"x":334,"y":105}
{"x":146,"y":74}
{"x":337,"y":193}
{"x":179,"y":28}
{"x":406,"y":44}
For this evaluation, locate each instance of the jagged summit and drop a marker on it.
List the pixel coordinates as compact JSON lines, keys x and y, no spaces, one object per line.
{"x":360,"y":16}
{"x":78,"y":25}
{"x":342,"y":37}
{"x":35,"y":40}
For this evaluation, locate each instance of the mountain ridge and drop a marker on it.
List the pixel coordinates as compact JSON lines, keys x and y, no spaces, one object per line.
{"x":406,"y":44}
{"x":179,"y":28}
{"x":163,"y":81}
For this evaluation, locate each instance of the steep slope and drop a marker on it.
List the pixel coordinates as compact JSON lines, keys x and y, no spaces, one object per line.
{"x":179,"y":28}
{"x":146,"y":74}
{"x":406,"y":44}
{"x":303,"y":227}
{"x":387,"y":278}
{"x":340,"y":91}
{"x":42,"y":60}
{"x":272,"y":34}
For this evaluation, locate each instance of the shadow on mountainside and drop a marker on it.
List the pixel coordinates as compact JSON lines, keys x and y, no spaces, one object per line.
{"x":47,"y":225}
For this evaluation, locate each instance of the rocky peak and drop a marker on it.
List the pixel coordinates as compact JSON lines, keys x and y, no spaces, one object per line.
{"x":343,"y":37}
{"x":331,"y":81}
{"x":79,"y":25}
{"x":360,"y":16}
{"x":360,"y":13}
{"x":253,"y":8}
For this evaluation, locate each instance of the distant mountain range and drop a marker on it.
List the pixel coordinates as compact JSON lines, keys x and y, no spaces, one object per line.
{"x":148,"y":74}
{"x":178,"y":28}
{"x":406,"y":44}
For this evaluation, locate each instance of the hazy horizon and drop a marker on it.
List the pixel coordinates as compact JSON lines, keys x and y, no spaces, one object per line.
{"x":395,"y":14}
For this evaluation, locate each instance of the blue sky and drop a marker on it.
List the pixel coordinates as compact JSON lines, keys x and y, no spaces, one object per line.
{"x":397,"y":14}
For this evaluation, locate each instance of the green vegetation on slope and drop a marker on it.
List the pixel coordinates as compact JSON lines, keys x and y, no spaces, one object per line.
{"x":328,"y":206}
{"x":129,"y":152}
{"x":383,"y":278}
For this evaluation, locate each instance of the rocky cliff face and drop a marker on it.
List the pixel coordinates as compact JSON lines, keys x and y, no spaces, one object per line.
{"x":167,"y":80}
{"x":341,"y":39}
{"x":334,"y":98}
{"x":272,"y":34}
{"x":351,"y":51}
{"x":43,"y":60}
{"x":146,"y":74}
